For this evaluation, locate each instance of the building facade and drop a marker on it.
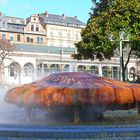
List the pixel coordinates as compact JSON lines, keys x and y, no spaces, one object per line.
{"x":44,"y":44}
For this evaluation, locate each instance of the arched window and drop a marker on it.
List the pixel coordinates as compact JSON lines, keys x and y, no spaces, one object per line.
{"x":94,"y":70}
{"x":54,"y":68}
{"x":105,"y":71}
{"x":28,"y":69}
{"x":132,"y":73}
{"x":81,"y":68}
{"x":14,"y":69}
{"x":66,"y":68}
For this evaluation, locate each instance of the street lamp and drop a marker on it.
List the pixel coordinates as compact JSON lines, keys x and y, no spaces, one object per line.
{"x":121,"y":39}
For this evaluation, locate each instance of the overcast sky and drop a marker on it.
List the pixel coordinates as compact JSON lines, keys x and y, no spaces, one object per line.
{"x":25,"y":8}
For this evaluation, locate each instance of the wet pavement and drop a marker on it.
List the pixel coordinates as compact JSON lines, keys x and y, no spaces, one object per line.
{"x":123,"y":132}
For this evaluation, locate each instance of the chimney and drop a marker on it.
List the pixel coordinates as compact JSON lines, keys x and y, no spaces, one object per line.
{"x":63,"y":15}
{"x":75,"y":17}
{"x":46,"y":13}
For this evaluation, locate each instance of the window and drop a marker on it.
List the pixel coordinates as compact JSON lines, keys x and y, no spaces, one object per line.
{"x":66,"y":68}
{"x":4,"y":24}
{"x":18,"y":37}
{"x":54,"y":68}
{"x":115,"y":73}
{"x":81,"y":68}
{"x":37,"y":28}
{"x":32,"y":27}
{"x":46,"y":70}
{"x":105,"y":71}
{"x":28,"y":39}
{"x":11,"y":37}
{"x":31,"y":40}
{"x":94,"y":70}
{"x":40,"y":40}
{"x":28,"y":69}
{"x":3,"y":36}
{"x":14,"y":70}
{"x":40,"y":69}
{"x":132,"y":73}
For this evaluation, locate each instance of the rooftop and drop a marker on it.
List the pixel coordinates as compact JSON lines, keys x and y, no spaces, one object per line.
{"x":44,"y":49}
{"x":52,"y":19}
{"x":15,"y":20}
{"x":61,"y":19}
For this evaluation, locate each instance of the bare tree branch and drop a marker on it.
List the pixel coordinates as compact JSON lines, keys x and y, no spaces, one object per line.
{"x":6,"y":49}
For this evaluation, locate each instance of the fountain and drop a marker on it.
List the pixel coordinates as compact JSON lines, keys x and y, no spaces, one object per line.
{"x":75,"y":96}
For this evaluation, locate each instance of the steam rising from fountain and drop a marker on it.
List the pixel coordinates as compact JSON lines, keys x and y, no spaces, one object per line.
{"x":75,"y":96}
{"x":10,"y":113}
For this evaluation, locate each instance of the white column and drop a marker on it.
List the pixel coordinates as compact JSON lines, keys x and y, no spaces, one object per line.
{"x":100,"y":69}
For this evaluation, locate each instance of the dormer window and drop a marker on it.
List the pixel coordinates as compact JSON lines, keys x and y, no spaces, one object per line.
{"x":3,"y":24}
{"x":32,"y":27}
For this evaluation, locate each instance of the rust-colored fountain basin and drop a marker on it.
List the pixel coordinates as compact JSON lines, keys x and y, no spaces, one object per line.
{"x":75,"y":89}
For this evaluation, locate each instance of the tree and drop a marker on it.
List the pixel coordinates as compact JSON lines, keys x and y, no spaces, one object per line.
{"x":109,"y":17}
{"x":6,"y":49}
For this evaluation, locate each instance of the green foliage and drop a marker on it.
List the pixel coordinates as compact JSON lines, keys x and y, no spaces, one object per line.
{"x":109,"y":17}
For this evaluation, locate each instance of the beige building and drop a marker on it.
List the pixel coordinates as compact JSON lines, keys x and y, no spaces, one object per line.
{"x":44,"y":44}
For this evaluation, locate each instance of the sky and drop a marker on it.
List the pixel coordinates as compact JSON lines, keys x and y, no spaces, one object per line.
{"x":25,"y":8}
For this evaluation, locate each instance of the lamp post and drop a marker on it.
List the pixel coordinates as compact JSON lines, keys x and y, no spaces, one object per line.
{"x":121,"y":54}
{"x":121,"y":39}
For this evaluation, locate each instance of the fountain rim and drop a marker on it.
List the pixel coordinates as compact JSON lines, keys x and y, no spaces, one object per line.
{"x":14,"y":130}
